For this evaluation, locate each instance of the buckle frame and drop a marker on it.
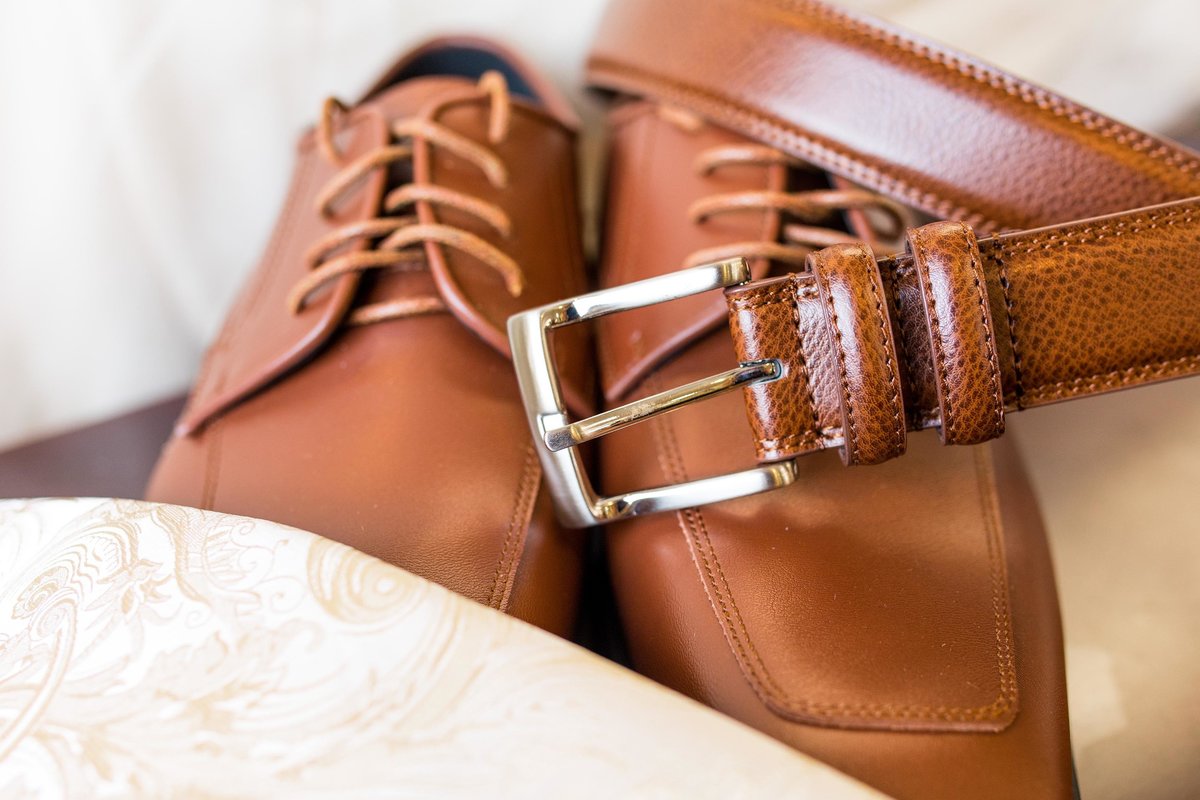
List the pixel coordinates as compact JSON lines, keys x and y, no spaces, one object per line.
{"x":575,"y":499}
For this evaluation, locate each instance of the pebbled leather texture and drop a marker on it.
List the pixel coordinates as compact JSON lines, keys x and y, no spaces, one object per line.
{"x":855,"y":307}
{"x":1084,"y":308}
{"x":798,"y":75}
{"x":1101,"y":304}
{"x":372,"y":433}
{"x":962,"y":340}
{"x":785,"y":415}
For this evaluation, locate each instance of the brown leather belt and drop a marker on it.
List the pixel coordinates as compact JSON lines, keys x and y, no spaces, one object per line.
{"x":953,"y":334}
{"x":957,"y":332}
{"x":935,"y":129}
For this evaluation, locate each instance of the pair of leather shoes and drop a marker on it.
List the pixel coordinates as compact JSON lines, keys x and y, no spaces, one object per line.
{"x":899,"y":622}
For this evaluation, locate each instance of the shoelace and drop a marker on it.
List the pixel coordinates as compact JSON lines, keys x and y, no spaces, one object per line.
{"x":804,"y":210}
{"x":398,"y":240}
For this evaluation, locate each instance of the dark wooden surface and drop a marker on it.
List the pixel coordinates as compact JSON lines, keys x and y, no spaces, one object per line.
{"x":110,"y":459}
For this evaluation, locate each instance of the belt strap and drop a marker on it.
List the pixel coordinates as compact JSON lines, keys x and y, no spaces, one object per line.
{"x":970,"y":330}
{"x":933,"y":128}
{"x":956,"y":332}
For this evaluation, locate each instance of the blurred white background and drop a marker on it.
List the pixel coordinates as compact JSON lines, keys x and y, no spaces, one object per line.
{"x":144,"y":149}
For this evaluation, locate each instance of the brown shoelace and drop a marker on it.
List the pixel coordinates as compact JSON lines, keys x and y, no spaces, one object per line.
{"x":398,"y":239}
{"x":804,"y":211}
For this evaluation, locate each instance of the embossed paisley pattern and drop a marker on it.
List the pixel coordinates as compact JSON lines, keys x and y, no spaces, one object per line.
{"x":157,"y":651}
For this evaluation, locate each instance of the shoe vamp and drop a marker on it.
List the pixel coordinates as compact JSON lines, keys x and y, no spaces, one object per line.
{"x":405,"y":440}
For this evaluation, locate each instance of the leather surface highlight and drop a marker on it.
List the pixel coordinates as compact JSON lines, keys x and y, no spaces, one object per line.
{"x":784,"y":413}
{"x":966,"y":369}
{"x":852,"y":300}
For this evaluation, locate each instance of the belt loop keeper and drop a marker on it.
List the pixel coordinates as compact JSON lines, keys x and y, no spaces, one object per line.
{"x":966,"y":368}
{"x":856,"y":312}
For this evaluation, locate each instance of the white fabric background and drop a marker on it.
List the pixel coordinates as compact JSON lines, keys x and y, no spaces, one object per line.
{"x":153,"y":651}
{"x":144,"y":149}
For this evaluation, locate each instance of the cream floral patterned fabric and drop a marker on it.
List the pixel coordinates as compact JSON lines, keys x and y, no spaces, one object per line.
{"x":157,"y":651}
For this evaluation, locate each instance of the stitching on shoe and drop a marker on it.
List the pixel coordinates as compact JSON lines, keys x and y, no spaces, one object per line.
{"x":518,"y":526}
{"x":762,"y":682}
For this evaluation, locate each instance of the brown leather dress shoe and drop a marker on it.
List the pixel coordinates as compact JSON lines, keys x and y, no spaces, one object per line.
{"x":898,"y":621}
{"x":360,"y":387}
{"x":862,"y":615}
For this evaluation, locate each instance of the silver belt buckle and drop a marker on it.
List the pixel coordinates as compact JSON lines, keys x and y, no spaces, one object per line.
{"x":557,"y":437}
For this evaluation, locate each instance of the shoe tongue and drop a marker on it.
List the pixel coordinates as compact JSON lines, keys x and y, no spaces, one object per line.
{"x":655,"y":181}
{"x":418,"y":95}
{"x":410,"y":98}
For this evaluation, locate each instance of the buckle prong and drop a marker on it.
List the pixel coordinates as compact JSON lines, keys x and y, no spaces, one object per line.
{"x":577,"y":502}
{"x":585,"y":430}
